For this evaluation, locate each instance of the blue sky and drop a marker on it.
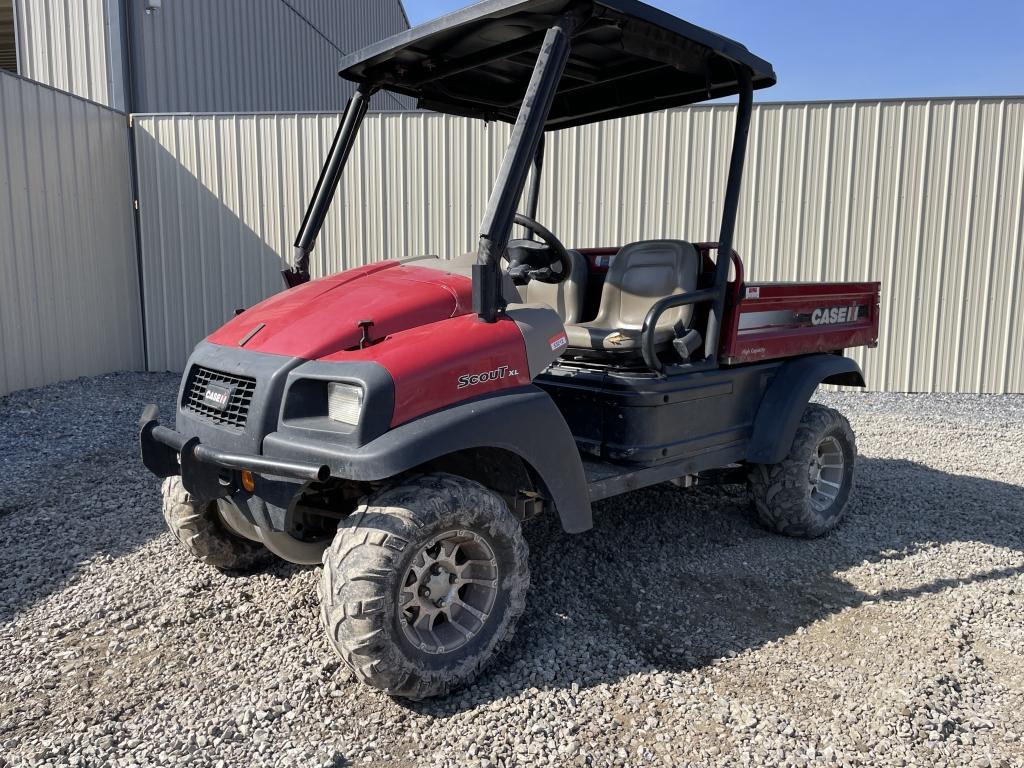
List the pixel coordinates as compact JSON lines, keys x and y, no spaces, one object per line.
{"x":859,"y":49}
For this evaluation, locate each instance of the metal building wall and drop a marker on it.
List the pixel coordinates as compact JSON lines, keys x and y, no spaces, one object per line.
{"x":924,"y":195}
{"x":8,"y":37}
{"x":69,"y":288}
{"x":253,"y":55}
{"x":67,"y":44}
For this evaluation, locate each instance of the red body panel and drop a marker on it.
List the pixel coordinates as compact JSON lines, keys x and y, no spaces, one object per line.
{"x":599,"y":259}
{"x":774,"y":320}
{"x":424,"y":333}
{"x":322,"y":317}
{"x":446,"y":362}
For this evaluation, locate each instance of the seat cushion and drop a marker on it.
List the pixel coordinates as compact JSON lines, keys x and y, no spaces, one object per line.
{"x":586,"y":336}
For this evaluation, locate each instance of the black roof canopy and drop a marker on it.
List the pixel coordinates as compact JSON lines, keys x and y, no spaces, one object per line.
{"x":627,"y":58}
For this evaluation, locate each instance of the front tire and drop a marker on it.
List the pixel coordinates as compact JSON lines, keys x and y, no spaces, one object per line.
{"x":200,"y":530}
{"x":423,"y":584}
{"x":805,"y":495}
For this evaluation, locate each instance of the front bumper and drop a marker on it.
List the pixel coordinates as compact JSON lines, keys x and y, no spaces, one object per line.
{"x":208,"y":473}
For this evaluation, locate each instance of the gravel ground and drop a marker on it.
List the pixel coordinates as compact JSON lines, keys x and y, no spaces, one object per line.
{"x":677,"y":633}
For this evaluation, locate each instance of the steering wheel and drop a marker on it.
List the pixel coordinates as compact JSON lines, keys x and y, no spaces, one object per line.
{"x":529,"y":260}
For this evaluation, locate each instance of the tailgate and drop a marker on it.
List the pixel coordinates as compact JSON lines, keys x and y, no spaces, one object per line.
{"x":771,"y":320}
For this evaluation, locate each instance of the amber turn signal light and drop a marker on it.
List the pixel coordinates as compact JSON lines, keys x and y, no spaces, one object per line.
{"x":248,"y":481}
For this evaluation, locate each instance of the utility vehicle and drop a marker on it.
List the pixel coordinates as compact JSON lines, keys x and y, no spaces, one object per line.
{"x":398,"y":421}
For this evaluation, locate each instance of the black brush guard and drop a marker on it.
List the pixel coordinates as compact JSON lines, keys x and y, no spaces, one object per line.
{"x":207,"y":473}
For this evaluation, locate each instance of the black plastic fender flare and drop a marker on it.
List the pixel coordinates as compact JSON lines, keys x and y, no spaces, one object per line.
{"x":783,"y":404}
{"x":524,"y":421}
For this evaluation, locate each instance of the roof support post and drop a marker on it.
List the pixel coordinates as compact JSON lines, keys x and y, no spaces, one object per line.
{"x":327,"y":185}
{"x":535,"y":177}
{"x":508,"y":188}
{"x":732,"y":201}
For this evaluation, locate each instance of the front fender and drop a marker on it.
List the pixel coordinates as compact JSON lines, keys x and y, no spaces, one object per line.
{"x":524,"y":421}
{"x":786,"y":399}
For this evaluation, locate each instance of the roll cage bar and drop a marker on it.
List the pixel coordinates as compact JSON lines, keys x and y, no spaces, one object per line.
{"x":525,"y":150}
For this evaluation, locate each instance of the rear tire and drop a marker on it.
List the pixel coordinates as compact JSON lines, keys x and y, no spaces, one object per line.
{"x":424,"y":584}
{"x":199,"y":529}
{"x":805,"y":495}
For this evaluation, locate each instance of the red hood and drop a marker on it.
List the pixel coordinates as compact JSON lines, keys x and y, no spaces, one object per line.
{"x":322,"y":316}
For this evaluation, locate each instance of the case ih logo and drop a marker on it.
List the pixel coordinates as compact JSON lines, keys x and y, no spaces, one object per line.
{"x":472,"y":379}
{"x":834,"y":315}
{"x":218,"y":395}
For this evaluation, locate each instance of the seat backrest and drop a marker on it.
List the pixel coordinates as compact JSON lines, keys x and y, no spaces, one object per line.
{"x":566,"y":298}
{"x":642,"y":273}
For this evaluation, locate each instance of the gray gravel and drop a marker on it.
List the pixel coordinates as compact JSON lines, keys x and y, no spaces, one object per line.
{"x":677,"y":633}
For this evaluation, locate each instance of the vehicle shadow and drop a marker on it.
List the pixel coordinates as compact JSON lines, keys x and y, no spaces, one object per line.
{"x":72,"y":488}
{"x":671,"y":580}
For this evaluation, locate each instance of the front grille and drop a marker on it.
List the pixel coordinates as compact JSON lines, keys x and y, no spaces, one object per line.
{"x":237,"y":409}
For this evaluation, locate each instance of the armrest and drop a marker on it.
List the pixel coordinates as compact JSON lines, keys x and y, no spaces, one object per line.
{"x":660,"y":308}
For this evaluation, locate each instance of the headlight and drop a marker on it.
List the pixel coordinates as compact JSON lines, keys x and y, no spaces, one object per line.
{"x":344,"y":402}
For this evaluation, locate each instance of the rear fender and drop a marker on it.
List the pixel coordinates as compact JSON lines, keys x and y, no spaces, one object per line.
{"x":523,"y":421}
{"x":786,"y":399}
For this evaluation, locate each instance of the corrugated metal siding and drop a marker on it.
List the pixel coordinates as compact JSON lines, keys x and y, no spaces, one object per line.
{"x":66,"y":44}
{"x":922,"y":195}
{"x":69,"y":292}
{"x":354,"y":23}
{"x":254,"y":55}
{"x":8,"y":37}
